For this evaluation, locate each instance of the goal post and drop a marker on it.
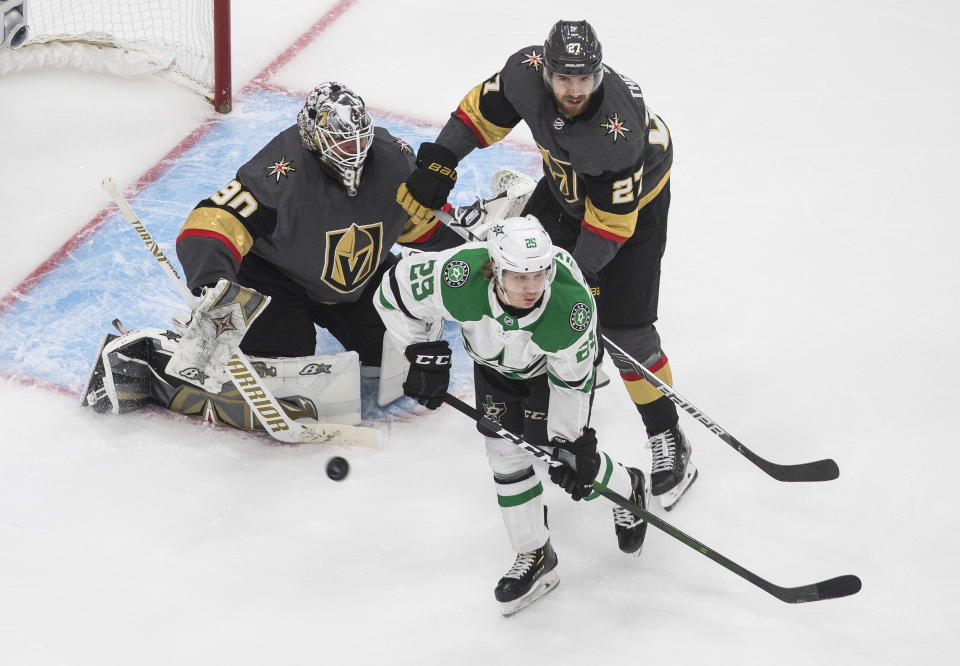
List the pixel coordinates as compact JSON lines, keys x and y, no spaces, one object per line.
{"x":185,"y":41}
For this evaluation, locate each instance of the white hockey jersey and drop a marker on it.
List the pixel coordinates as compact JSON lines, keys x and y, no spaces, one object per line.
{"x":558,"y":338}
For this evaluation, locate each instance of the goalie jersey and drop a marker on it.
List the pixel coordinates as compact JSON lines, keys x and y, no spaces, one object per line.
{"x":602,"y":166}
{"x":284,"y":208}
{"x":556,"y":338}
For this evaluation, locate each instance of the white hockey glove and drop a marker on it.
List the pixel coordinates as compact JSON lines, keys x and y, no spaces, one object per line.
{"x":213,"y":334}
{"x":511,"y":190}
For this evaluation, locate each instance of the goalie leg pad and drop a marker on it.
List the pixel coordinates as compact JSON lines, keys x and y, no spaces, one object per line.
{"x":128,"y":372}
{"x":315,"y":388}
{"x":393,"y":371}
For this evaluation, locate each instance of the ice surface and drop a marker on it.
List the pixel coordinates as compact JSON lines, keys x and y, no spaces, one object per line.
{"x":808,"y":304}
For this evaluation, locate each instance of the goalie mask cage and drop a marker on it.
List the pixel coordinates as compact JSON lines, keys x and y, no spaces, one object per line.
{"x":186,"y":41}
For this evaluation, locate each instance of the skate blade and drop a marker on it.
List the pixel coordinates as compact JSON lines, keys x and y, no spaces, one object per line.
{"x":547,"y":582}
{"x":669,"y":499}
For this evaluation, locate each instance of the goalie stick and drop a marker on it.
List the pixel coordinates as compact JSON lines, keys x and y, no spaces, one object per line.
{"x":817,"y":470}
{"x":841,"y":586}
{"x":261,"y":401}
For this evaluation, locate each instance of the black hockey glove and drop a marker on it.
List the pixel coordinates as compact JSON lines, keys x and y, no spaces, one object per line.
{"x":429,"y":373}
{"x":577,"y":480}
{"x":428,"y":187}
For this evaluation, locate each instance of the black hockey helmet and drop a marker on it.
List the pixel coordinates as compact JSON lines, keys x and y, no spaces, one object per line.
{"x":572,"y":49}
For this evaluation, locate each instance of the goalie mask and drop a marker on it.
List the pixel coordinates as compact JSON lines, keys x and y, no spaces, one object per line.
{"x":520,"y":245}
{"x":335,"y":124}
{"x":572,"y":49}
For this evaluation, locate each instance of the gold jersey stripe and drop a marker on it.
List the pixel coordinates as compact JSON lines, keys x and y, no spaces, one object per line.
{"x":649,"y":196}
{"x":615,"y":226}
{"x":470,"y":111}
{"x":619,"y":226}
{"x":643,"y":392}
{"x":219,"y":221}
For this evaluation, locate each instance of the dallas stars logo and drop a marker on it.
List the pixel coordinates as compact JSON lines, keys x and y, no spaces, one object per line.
{"x":580,"y":315}
{"x":404,"y":146}
{"x":493,"y":410}
{"x":497,"y":229}
{"x":533,"y":60}
{"x":615,"y":127}
{"x":281,"y":168}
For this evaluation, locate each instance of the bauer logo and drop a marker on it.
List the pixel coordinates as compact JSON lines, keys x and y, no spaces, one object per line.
{"x":455,"y":273}
{"x":580,"y":317}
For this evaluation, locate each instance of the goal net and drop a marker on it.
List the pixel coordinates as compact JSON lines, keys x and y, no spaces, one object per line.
{"x":186,"y":41}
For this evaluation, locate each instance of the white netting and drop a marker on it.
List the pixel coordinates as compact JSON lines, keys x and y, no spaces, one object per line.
{"x":173,"y":38}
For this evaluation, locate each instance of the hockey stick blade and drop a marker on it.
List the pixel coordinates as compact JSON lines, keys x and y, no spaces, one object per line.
{"x":835,"y":588}
{"x":840,"y":586}
{"x":818,"y":470}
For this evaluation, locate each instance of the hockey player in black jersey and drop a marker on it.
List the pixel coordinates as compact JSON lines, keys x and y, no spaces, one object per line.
{"x":309,"y":222}
{"x":604,"y":197}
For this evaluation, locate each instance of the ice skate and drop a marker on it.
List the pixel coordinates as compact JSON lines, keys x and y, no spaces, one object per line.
{"x":632,"y":529}
{"x":673,"y":472}
{"x":532,"y":575}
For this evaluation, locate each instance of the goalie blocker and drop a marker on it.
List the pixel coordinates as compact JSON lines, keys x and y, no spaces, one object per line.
{"x":130,"y":373}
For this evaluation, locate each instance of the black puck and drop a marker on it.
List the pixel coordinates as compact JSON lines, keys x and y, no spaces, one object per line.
{"x":337,"y":468}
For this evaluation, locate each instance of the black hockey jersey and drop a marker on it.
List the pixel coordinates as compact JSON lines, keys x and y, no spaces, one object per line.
{"x":603,"y":165}
{"x":285,"y":209}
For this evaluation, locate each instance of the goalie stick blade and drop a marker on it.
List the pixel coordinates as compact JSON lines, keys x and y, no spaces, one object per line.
{"x":343,"y":435}
{"x":841,"y":586}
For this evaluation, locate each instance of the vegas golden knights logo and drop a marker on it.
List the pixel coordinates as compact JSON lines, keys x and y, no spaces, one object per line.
{"x":352,"y":256}
{"x":563,"y":174}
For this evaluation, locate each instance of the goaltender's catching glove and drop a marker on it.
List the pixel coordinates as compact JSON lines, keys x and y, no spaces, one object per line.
{"x":576,"y":476}
{"x":213,"y":334}
{"x":429,"y":374}
{"x":428,"y":187}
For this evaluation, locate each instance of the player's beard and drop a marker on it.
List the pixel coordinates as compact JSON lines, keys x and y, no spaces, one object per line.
{"x":568,"y":107}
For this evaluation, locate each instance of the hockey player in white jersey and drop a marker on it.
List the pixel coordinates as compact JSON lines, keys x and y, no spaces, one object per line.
{"x":527,"y":319}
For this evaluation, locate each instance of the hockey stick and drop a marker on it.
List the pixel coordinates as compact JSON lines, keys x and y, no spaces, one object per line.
{"x":817,"y":470}
{"x":841,"y":586}
{"x":262,"y":403}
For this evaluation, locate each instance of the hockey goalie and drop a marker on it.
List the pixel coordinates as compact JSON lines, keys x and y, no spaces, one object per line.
{"x":300,"y":238}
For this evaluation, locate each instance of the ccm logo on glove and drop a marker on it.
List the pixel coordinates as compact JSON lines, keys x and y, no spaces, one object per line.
{"x":429,"y":374}
{"x":424,"y":359}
